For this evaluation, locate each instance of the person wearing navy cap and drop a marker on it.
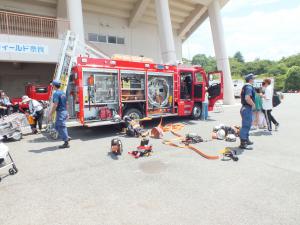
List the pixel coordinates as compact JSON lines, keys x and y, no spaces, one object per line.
{"x":60,"y":106}
{"x":248,"y":104}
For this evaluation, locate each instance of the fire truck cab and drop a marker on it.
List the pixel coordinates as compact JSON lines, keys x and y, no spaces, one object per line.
{"x":102,"y":91}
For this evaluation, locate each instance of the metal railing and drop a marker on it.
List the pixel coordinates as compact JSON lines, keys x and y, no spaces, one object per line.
{"x":29,"y":25}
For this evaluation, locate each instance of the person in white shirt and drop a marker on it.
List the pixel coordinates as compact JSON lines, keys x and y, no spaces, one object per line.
{"x":36,"y":111}
{"x":267,"y":105}
{"x":205,"y":106}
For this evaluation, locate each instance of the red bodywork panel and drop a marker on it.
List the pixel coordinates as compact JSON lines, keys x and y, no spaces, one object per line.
{"x":37,"y":92}
{"x":184,"y":106}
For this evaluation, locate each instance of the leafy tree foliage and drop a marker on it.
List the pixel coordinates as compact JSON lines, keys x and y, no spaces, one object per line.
{"x":290,"y":61}
{"x":277,"y":69}
{"x":236,"y":67}
{"x":239,"y":57}
{"x":284,"y":71}
{"x":208,"y":63}
{"x":280,"y":82}
{"x":292,"y":81}
{"x":186,"y":61}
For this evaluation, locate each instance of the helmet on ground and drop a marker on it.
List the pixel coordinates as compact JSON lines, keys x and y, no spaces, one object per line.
{"x":221,"y":134}
{"x":231,"y":138}
{"x":216,"y":128}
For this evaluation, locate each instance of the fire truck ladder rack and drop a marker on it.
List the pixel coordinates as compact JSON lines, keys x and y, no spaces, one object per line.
{"x":72,"y":47}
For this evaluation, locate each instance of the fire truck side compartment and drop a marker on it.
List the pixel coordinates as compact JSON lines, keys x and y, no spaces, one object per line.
{"x":100,"y":93}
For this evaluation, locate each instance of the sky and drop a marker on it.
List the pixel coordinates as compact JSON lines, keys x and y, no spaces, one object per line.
{"x":264,"y":29}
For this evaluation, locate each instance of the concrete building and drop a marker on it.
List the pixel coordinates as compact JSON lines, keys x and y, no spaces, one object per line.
{"x":31,"y":33}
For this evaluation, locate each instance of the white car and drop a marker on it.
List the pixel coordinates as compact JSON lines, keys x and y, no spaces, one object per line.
{"x":237,"y":87}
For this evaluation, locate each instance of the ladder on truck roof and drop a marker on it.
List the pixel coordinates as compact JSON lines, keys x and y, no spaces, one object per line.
{"x":71,"y":48}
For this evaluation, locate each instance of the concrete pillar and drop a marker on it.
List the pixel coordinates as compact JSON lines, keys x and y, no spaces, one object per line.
{"x":62,"y":16}
{"x":220,"y":50}
{"x":165,"y":31}
{"x":74,"y":9}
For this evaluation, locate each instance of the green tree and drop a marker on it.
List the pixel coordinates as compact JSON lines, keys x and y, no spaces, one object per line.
{"x":290,"y":61}
{"x":277,"y":69}
{"x":239,"y":57}
{"x":292,"y":81}
{"x":236,"y":67}
{"x":208,"y":63}
{"x":186,"y":61}
{"x":257,"y":66}
{"x":280,"y":82}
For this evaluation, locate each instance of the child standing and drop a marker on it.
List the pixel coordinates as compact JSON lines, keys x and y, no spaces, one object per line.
{"x":258,"y":121}
{"x":205,"y":106}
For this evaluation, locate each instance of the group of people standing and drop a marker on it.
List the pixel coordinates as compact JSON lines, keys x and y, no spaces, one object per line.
{"x":262,"y":116}
{"x":35,"y":113}
{"x":59,"y":106}
{"x":257,"y":105}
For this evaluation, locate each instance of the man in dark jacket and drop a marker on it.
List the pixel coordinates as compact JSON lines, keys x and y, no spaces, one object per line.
{"x":60,"y":107}
{"x":248,"y":104}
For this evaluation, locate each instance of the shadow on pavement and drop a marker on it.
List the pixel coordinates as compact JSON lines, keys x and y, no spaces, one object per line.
{"x":261,"y":133}
{"x":112,"y":156}
{"x":47,"y":149}
{"x":44,"y":138}
{"x":92,"y":133}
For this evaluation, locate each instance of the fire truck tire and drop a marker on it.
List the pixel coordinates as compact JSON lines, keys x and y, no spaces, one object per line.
{"x":196,"y":113}
{"x":133,"y":113}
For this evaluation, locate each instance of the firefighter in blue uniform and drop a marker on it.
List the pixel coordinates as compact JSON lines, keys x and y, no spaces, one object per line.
{"x":248,"y":104}
{"x":60,"y":106}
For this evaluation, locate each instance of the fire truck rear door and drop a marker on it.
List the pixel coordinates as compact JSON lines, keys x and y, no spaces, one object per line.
{"x":186,"y":103}
{"x":215,"y":88}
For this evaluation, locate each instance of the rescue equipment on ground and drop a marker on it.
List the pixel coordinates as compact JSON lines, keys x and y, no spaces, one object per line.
{"x":188,"y":146}
{"x":133,"y":127}
{"x":228,"y":153}
{"x":230,"y":138}
{"x":144,"y":149}
{"x":116,"y":146}
{"x":227,"y":133}
{"x":158,"y":131}
{"x":192,"y":138}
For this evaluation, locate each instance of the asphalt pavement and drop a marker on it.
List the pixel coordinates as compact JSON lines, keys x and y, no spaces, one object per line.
{"x":85,"y":185}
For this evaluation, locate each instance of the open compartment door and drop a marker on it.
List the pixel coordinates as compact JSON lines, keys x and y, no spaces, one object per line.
{"x":160,"y":93}
{"x":215,"y":88}
{"x":100,"y":94}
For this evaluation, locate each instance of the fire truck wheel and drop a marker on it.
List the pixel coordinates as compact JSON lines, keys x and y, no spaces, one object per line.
{"x":133,"y":113}
{"x":196,"y":113}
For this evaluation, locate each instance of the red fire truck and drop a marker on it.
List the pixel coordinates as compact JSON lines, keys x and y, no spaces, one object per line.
{"x":37,"y":92}
{"x":102,"y":91}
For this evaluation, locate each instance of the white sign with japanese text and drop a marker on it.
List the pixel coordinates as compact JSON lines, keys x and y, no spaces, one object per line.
{"x":24,"y":48}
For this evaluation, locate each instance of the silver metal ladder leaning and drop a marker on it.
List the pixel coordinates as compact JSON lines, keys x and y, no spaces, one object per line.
{"x":71,"y":48}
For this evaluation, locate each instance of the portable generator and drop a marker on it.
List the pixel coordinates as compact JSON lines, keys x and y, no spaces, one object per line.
{"x":116,"y":146}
